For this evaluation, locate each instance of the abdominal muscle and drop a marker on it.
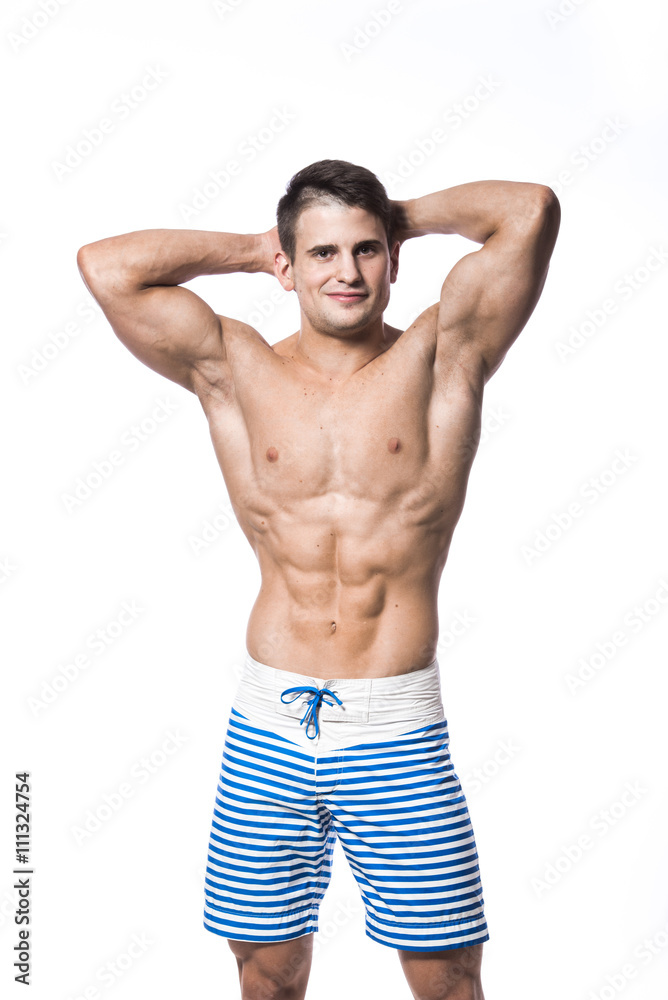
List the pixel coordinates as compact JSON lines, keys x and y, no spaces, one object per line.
{"x":337,"y":603}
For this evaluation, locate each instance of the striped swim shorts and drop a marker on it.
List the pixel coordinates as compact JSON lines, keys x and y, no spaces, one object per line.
{"x":366,"y":760}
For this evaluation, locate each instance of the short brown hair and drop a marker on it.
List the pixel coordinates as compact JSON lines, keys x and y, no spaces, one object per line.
{"x":331,"y":180}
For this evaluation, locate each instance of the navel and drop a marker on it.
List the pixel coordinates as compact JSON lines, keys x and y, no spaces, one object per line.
{"x":394,"y":444}
{"x":272,"y":454}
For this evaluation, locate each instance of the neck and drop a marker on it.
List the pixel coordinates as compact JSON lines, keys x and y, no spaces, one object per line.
{"x":339,"y":357}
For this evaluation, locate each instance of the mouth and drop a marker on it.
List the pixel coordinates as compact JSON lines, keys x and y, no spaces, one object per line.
{"x":347,"y":296}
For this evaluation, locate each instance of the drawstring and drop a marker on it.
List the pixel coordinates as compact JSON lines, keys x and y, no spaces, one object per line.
{"x":313,"y":704}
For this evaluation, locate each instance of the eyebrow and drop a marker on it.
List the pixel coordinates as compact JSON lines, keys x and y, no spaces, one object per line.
{"x":333,"y":246}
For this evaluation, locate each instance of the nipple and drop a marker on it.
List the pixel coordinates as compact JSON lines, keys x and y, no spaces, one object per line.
{"x":393,"y":444}
{"x":272,"y":454}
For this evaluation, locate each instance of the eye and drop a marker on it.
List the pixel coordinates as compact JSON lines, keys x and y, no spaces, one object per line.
{"x":366,"y":248}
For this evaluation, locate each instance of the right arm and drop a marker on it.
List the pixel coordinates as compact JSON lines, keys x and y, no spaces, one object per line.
{"x":136,"y":277}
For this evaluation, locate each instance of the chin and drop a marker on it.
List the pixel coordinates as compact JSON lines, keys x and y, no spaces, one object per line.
{"x":341,"y":329}
{"x":347,"y":324}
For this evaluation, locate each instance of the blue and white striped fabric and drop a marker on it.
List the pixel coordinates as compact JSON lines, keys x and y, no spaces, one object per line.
{"x":399,"y":812}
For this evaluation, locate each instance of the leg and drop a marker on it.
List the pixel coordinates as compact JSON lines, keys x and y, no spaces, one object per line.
{"x":402,"y":819}
{"x":270,"y":848}
{"x":273,"y":970}
{"x":444,"y":975}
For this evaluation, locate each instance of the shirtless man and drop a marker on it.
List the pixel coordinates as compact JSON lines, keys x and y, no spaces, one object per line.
{"x":346,"y":450}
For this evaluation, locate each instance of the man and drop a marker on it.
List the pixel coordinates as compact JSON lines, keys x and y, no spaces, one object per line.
{"x":346,"y":450}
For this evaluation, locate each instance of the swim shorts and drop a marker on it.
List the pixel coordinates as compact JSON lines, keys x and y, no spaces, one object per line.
{"x":366,"y":760}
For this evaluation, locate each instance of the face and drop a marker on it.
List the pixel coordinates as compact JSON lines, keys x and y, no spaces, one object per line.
{"x":342,"y":269}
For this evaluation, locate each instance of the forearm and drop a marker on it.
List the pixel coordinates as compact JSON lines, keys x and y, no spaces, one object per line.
{"x":475,"y":210}
{"x":171,"y":256}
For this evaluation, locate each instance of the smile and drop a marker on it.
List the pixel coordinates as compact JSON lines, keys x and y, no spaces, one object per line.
{"x":347,"y":296}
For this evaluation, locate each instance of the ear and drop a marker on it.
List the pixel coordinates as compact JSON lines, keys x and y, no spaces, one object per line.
{"x":394,"y":261}
{"x":283,"y":271}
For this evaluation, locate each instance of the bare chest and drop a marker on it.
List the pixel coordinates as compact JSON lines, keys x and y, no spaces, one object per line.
{"x":283,"y":437}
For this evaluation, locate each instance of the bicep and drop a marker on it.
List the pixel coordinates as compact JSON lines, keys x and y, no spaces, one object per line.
{"x":167,"y":327}
{"x":489,"y":295}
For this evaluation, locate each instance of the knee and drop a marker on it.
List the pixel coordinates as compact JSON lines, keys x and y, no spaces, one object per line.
{"x":455,"y":984}
{"x":451,"y":987}
{"x":273,"y":970}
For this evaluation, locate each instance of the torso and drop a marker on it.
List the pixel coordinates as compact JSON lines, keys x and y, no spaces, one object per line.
{"x":348,"y":492}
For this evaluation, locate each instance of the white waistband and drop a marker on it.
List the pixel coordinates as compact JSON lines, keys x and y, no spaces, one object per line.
{"x":399,"y":698}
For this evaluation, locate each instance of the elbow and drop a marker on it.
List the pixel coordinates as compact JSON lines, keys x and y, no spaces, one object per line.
{"x":95,"y":266}
{"x":81,"y":255}
{"x":85,"y":259}
{"x":551,"y":213}
{"x":542,"y":210}
{"x":545,"y":202}
{"x":84,"y":264}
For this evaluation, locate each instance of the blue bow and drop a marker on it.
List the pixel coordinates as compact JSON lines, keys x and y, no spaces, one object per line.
{"x":313,"y":704}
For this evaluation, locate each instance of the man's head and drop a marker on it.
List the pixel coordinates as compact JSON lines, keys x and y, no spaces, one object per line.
{"x":330,"y":181}
{"x":339,"y":251}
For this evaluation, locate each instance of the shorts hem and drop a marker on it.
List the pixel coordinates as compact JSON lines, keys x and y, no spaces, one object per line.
{"x":413,"y":942}
{"x":245,"y":927}
{"x":248,"y":936}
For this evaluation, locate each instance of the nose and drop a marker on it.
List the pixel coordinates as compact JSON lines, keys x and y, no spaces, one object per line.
{"x":347,"y":269}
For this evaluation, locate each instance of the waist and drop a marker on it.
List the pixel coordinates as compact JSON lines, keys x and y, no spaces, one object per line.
{"x":414,"y":695}
{"x":341,"y":633}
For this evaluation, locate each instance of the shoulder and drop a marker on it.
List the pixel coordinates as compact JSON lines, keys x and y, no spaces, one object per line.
{"x":242,"y":344}
{"x":419,"y":336}
{"x":456,"y":359}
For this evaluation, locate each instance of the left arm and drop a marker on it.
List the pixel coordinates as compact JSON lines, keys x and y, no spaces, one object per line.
{"x":489,"y":295}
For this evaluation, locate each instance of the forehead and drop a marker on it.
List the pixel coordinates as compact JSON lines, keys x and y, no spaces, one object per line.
{"x":334,"y":222}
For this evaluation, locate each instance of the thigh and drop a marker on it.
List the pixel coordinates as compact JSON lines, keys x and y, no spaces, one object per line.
{"x":437,"y":975}
{"x":271,"y":842}
{"x":283,"y":964}
{"x":403,"y":821}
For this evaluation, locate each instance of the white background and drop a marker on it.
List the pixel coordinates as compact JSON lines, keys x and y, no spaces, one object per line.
{"x":71,"y":394}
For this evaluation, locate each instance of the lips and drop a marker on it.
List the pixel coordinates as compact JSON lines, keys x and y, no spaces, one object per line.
{"x":347,"y":297}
